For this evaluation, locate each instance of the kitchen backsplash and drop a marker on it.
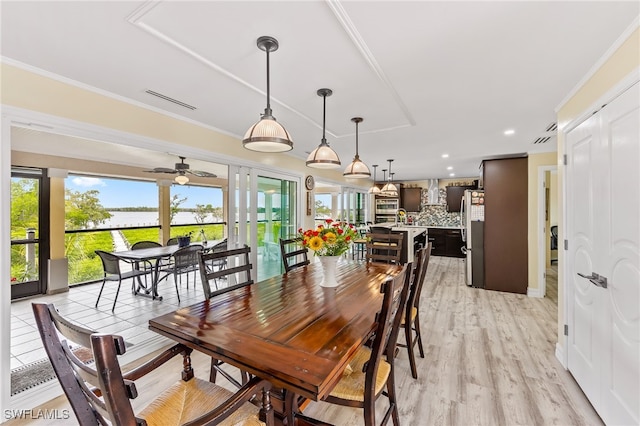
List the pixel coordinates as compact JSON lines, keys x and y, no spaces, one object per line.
{"x":436,"y":214}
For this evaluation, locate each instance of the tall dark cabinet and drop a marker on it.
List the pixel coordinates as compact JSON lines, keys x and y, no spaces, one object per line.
{"x":506,"y":224}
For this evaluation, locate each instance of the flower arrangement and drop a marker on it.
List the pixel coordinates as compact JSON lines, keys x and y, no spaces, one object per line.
{"x":330,"y":239}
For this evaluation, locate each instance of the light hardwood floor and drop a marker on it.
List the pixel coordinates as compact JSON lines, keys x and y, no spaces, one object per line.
{"x":489,"y":361}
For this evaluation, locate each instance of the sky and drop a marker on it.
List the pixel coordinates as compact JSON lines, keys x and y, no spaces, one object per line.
{"x":129,"y":193}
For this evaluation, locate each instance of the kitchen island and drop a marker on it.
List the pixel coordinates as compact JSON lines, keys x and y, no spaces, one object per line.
{"x":414,"y":237}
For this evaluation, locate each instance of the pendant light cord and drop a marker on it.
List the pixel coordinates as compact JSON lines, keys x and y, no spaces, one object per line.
{"x":267,"y":110}
{"x":324,"y":116}
{"x":357,"y":156}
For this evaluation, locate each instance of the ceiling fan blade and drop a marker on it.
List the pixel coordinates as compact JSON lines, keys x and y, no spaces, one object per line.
{"x":200,"y":173}
{"x":161,"y":170}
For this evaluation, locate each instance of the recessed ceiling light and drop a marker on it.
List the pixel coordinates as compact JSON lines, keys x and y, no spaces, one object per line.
{"x":452,"y":174}
{"x":509,"y":132}
{"x":449,"y":168}
{"x":445,"y":155}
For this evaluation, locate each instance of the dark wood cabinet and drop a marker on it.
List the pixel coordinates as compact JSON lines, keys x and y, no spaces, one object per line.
{"x":506,"y":224}
{"x":410,"y":199}
{"x":445,"y":242}
{"x":454,"y":197}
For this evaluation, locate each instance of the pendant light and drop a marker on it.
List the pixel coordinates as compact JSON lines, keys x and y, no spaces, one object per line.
{"x":357,"y":169}
{"x":389,"y":189}
{"x":267,"y":135}
{"x":374,"y":189}
{"x":323,"y":157}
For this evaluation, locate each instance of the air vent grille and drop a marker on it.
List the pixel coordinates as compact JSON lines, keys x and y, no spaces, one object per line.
{"x":167,"y":98}
{"x":551,"y":128}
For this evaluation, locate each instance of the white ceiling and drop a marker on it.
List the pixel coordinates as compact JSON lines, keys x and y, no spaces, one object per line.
{"x":427,"y":77}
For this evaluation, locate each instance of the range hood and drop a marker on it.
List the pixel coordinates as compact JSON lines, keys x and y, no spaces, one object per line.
{"x":433,"y":193}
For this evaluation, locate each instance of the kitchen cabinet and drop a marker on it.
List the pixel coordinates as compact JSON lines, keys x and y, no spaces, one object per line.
{"x":506,"y":232}
{"x":454,"y":197}
{"x":445,"y":242}
{"x":410,"y":199}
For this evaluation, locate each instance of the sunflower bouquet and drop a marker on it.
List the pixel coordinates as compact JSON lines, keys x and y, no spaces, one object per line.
{"x":329,"y":239}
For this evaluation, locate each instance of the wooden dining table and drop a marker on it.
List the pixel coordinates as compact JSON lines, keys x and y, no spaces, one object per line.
{"x":287,"y":329}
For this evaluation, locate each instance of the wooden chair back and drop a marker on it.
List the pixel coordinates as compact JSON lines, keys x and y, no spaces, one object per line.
{"x":238,"y":264}
{"x":385,"y":247}
{"x":100,"y":394}
{"x":422,"y":257}
{"x":293,"y":253}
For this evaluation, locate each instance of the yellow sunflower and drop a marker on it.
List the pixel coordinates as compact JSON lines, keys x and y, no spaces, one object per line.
{"x":316,"y":243}
{"x":331,"y":237}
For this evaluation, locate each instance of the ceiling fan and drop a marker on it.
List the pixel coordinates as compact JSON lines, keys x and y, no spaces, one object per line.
{"x":181,"y":169}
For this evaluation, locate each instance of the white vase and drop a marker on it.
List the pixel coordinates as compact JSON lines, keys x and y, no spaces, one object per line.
{"x":329,"y":270}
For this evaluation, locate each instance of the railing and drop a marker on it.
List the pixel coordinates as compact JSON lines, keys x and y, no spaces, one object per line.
{"x":80,"y":244}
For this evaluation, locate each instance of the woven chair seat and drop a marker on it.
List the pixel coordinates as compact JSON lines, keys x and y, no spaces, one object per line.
{"x":186,"y":401}
{"x":351,"y":386}
{"x":414,"y":314}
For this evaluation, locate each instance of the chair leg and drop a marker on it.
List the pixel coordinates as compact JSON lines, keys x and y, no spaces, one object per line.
{"x":393,"y":404}
{"x":104,"y":280}
{"x":416,"y":324}
{"x":412,"y":358}
{"x":116,"y":298}
{"x":175,"y":281}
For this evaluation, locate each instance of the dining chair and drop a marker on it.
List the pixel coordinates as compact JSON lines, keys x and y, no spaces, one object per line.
{"x":219,"y":263}
{"x":372,"y":368}
{"x":384,"y":247}
{"x":237,"y":273}
{"x":147,"y":265}
{"x":183,"y":262}
{"x":173,"y":241}
{"x":113,"y":272}
{"x":100,"y":394}
{"x":293,"y":253}
{"x":411,"y":319}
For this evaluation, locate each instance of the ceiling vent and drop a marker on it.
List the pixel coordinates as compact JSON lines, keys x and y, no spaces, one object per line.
{"x":167,"y":98}
{"x":550,"y":131}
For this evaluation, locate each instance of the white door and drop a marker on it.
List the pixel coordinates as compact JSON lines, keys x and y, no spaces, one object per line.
{"x":603,"y":231}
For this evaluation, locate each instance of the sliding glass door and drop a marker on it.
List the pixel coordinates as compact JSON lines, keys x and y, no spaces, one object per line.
{"x":266,"y":207}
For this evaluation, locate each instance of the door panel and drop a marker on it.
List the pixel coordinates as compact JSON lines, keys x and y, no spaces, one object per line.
{"x":621,"y":260}
{"x":603,"y":229}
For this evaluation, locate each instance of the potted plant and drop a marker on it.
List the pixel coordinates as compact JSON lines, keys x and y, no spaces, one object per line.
{"x":184,"y":240}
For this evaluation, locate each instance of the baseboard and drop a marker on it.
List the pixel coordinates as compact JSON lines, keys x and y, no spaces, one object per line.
{"x":560,"y":355}
{"x":534,"y":292}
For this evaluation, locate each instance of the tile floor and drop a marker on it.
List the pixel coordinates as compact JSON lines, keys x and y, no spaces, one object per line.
{"x":129,"y":318}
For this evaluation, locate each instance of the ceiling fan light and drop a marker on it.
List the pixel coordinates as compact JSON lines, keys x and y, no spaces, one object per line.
{"x":357,"y":169}
{"x":181,"y":179}
{"x":323,"y":157}
{"x":267,"y":135}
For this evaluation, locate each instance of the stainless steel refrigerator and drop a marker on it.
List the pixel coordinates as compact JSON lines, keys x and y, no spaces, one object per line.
{"x":472,"y":220}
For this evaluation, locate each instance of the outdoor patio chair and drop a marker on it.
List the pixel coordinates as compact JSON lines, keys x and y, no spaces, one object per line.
{"x":112,"y":272}
{"x":183,"y":262}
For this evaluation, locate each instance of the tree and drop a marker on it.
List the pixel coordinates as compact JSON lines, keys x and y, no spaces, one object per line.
{"x":321,"y":209}
{"x":202,"y":212}
{"x":83,"y":209}
{"x":175,"y":206}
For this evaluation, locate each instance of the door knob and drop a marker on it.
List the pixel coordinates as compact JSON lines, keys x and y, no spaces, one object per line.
{"x":597,"y":280}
